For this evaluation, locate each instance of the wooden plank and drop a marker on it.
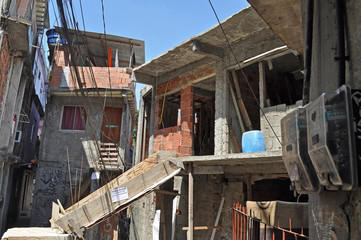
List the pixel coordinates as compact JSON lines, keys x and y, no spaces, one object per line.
{"x":131,"y":173}
{"x":262,"y":85}
{"x":243,"y":110}
{"x":217,"y":218}
{"x":203,"y":228}
{"x":236,"y":108}
{"x":101,"y":205}
{"x":240,"y":102}
{"x":190,"y":201}
{"x":236,"y":145}
{"x":54,"y":214}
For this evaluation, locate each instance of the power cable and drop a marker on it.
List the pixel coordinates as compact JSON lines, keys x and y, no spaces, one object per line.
{"x":244,"y":75}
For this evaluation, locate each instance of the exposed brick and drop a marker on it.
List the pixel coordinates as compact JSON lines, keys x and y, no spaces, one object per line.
{"x":187,"y":142}
{"x":4,"y":64}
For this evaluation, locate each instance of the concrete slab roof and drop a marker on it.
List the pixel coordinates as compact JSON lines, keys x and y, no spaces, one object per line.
{"x":98,"y":44}
{"x":241,"y":25}
{"x":285,"y":19}
{"x":269,"y":162}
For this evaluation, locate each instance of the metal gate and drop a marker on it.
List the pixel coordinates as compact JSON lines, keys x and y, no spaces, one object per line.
{"x":246,"y":226}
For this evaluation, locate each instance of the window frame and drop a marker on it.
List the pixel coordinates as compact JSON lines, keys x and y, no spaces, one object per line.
{"x":72,"y":130}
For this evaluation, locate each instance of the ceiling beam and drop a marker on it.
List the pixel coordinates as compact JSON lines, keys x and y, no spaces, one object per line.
{"x":203,"y":92}
{"x":207,"y":49}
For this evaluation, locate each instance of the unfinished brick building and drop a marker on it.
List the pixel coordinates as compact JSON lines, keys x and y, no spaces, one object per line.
{"x":192,"y":108}
{"x":89,"y":118}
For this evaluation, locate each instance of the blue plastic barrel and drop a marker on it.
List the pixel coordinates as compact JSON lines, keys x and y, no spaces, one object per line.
{"x":53,"y":37}
{"x":253,"y":141}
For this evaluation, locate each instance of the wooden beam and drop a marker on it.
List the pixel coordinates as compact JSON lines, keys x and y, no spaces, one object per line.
{"x":118,"y":194}
{"x":262,"y":85}
{"x":203,"y":228}
{"x":240,"y":102}
{"x":249,"y":188}
{"x":236,"y":108}
{"x":190,"y":201}
{"x":207,"y":49}
{"x":236,"y":145}
{"x":217,"y":218}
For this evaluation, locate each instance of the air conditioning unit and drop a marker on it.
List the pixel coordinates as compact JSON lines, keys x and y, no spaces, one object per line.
{"x":18,"y":136}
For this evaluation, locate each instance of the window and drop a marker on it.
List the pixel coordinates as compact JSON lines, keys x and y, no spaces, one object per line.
{"x":73,"y":118}
{"x":33,"y":127}
{"x":169,"y":113}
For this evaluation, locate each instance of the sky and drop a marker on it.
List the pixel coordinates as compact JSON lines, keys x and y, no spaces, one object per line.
{"x":161,"y":24}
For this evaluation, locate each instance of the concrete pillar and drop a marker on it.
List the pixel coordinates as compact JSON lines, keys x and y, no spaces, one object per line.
{"x":152,"y":119}
{"x":6,"y":180}
{"x":334,"y":214}
{"x":221,"y":124}
{"x":138,"y":147}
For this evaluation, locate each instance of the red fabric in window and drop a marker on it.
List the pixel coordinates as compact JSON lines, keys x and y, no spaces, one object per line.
{"x":68,"y":118}
{"x":78,"y":123}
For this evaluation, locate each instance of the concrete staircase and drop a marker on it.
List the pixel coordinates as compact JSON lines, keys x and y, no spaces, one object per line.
{"x":109,"y":156}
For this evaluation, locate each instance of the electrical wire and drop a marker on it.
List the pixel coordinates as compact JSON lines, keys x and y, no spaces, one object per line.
{"x":76,"y":34}
{"x":244,"y":75}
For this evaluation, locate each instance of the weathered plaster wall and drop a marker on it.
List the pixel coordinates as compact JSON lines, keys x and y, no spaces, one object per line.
{"x":52,"y":178}
{"x":274,"y":115}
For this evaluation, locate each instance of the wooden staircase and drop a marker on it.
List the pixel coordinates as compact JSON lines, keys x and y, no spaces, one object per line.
{"x":109,"y":156}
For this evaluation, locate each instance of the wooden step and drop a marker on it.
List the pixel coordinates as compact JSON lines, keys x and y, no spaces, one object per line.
{"x":109,"y":159}
{"x":114,"y":155}
{"x":108,"y":149}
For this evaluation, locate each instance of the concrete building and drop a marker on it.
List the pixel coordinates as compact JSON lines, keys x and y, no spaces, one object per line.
{"x":90,"y":115}
{"x":21,"y":24}
{"x":332,"y":51}
{"x":193,"y":108}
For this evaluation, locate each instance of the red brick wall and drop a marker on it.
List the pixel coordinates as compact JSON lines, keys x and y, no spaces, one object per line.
{"x":4,"y":64}
{"x":186,"y":147}
{"x":60,"y":57}
{"x":119,"y":77}
{"x":178,"y":138}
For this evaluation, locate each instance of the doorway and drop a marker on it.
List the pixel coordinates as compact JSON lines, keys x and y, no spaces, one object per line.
{"x":111,"y":125}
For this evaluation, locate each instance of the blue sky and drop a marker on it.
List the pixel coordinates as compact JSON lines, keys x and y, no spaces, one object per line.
{"x":161,"y":24}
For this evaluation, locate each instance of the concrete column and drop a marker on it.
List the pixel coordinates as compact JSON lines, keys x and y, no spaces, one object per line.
{"x":221,"y":124}
{"x":138,"y":147}
{"x":10,"y":103}
{"x":152,"y":118}
{"x":7,"y":177}
{"x":334,"y":214}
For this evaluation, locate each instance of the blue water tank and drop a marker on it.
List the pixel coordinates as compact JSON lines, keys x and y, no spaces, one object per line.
{"x":253,"y":141}
{"x":53,"y":37}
